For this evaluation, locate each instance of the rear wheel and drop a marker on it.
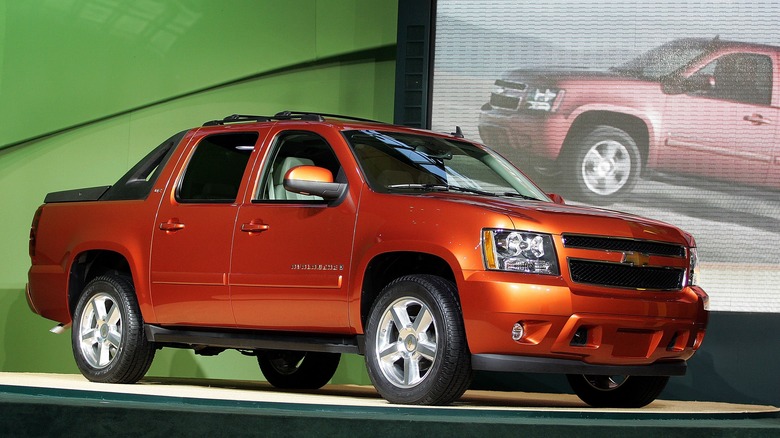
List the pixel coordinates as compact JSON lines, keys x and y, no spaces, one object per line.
{"x":297,"y":369}
{"x":617,"y":391}
{"x":108,"y":339}
{"x":416,"y":350}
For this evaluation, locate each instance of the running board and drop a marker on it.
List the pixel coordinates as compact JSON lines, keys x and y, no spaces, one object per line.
{"x":254,"y":340}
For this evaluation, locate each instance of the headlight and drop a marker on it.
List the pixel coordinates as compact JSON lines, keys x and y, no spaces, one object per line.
{"x":519,"y":251}
{"x":543,"y":99}
{"x":693,"y":269}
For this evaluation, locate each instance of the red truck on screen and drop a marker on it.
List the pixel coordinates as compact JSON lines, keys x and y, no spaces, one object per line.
{"x":692,"y":107}
{"x":297,"y":237}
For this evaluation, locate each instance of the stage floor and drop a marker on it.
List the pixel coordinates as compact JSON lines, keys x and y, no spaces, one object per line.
{"x":51,"y":404}
{"x":356,"y":396}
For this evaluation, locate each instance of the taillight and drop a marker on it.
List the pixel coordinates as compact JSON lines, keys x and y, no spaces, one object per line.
{"x":34,"y":230}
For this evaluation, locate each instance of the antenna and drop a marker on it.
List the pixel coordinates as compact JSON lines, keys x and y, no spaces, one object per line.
{"x":458,"y":132}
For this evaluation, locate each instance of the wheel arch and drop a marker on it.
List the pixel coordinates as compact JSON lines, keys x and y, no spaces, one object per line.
{"x":90,"y":264}
{"x":633,"y":125}
{"x":386,"y":267}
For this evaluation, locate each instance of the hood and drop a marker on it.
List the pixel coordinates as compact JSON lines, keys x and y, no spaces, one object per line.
{"x":559,"y":219}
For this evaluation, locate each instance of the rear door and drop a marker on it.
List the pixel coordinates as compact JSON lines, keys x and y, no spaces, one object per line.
{"x":291,"y":255}
{"x":194,"y":230}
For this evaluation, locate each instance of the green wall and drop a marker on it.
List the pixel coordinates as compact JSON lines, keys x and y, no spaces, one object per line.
{"x":88,"y":87}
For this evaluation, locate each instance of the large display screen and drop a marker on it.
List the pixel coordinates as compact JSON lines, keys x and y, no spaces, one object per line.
{"x":669,"y":110}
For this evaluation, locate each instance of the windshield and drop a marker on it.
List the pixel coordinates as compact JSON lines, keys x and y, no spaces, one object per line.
{"x":665,"y":59}
{"x":410,"y":163}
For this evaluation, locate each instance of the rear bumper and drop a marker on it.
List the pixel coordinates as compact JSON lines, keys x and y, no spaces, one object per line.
{"x":521,"y":364}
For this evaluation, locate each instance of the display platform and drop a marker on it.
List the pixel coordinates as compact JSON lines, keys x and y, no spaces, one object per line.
{"x":56,"y":404}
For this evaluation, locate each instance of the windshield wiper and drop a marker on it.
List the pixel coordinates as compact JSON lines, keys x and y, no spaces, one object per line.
{"x":417,"y":186}
{"x":470,"y":190}
{"x":444,"y":188}
{"x":518,"y":195}
{"x":486,"y":193}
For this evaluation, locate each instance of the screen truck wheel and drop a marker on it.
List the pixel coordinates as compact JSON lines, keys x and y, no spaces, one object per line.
{"x":109,"y":343}
{"x":416,"y":350}
{"x":617,"y":391}
{"x":605,"y":165}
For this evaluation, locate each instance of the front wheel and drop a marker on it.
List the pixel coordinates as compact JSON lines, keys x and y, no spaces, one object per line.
{"x":109,"y":343}
{"x":416,"y":351}
{"x":297,"y":369}
{"x":604,"y":164}
{"x":617,"y":391}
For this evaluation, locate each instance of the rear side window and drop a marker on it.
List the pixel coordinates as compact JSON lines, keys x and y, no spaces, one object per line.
{"x":216,"y":168}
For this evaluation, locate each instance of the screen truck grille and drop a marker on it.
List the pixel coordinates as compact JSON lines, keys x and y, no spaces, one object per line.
{"x":504,"y":101}
{"x":625,"y":275}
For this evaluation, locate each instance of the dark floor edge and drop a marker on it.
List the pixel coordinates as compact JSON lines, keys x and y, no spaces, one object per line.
{"x":49,"y":412}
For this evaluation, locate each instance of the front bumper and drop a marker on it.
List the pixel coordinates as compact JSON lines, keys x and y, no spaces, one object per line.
{"x":529,"y":139}
{"x":572,"y":332}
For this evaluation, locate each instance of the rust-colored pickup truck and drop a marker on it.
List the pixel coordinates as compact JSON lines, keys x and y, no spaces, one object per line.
{"x":297,"y":237}
{"x":692,"y":107}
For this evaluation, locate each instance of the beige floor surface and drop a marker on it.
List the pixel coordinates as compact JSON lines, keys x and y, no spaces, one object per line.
{"x":350,"y":395}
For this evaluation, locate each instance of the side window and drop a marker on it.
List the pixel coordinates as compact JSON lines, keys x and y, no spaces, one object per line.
{"x":290,"y":150}
{"x":214,"y":172}
{"x":742,"y":77}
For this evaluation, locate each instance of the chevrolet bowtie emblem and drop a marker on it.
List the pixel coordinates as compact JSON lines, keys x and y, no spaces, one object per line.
{"x":635,"y":259}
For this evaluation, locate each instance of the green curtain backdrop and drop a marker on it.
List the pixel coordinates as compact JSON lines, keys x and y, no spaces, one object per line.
{"x":87,"y":88}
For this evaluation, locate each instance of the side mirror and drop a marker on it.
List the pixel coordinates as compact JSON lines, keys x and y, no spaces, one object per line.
{"x":313,"y":180}
{"x":699,"y":82}
{"x":556,"y":198}
{"x":696,"y":83}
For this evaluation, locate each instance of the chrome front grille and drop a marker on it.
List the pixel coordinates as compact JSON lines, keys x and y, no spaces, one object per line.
{"x":628,"y":274}
{"x":617,"y":244}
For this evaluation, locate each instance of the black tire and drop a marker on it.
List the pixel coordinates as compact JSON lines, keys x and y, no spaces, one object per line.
{"x":416,"y":350}
{"x":604,"y":166}
{"x":108,"y":338}
{"x":297,"y":369}
{"x":617,"y":391}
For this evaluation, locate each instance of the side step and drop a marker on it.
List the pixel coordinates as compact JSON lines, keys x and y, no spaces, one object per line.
{"x":255,"y":340}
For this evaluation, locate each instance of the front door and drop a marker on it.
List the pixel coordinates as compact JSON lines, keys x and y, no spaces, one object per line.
{"x":726,"y":132}
{"x":291,"y":255}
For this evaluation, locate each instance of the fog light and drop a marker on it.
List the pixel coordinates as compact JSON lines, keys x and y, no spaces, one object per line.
{"x":518,"y":331}
{"x":580,"y":338}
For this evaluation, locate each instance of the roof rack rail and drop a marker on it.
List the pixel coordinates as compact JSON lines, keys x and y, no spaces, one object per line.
{"x":238,"y":118}
{"x":285,"y":115}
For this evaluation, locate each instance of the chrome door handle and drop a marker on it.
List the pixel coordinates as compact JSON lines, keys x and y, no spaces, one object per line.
{"x":757,"y":119}
{"x":171,"y":226}
{"x":254,"y":227}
